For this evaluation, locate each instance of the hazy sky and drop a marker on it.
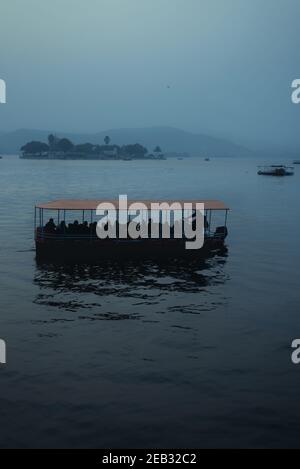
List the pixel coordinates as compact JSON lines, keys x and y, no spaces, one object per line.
{"x":222,"y":67}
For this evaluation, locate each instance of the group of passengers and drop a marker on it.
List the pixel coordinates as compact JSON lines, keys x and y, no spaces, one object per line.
{"x":89,"y":229}
{"x":74,"y":228}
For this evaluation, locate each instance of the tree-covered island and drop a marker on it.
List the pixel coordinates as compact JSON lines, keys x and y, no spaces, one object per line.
{"x":63,"y":148}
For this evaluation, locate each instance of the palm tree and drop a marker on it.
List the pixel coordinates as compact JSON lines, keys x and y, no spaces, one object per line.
{"x":107,"y":140}
{"x":51,"y":141}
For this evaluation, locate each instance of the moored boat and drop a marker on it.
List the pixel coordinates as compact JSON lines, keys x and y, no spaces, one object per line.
{"x":276,"y":170}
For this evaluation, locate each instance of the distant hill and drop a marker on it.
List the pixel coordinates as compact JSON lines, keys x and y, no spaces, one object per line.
{"x":168,"y":138}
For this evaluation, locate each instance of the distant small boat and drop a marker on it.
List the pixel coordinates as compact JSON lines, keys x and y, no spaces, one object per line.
{"x":1,"y":157}
{"x":206,"y":159}
{"x":296,"y":162}
{"x":276,"y":170}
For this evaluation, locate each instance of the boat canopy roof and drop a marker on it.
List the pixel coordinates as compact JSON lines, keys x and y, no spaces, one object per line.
{"x":77,"y":204}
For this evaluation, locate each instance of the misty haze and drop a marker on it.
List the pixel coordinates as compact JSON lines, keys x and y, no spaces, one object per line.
{"x":221,"y":69}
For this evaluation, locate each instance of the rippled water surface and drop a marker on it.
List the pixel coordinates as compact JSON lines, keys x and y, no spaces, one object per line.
{"x":147,"y":354}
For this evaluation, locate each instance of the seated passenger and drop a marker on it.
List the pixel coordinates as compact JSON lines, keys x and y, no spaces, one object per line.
{"x":75,"y":227}
{"x":50,"y":226}
{"x":61,"y":229}
{"x":70,"y":228}
{"x":85,"y":228}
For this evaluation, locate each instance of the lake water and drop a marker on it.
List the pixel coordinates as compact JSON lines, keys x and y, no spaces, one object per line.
{"x":144,"y":355}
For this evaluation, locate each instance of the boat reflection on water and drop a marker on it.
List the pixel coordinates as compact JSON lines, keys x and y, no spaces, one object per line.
{"x":130,"y":290}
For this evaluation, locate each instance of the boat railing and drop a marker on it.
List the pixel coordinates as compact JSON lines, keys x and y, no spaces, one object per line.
{"x":43,"y":235}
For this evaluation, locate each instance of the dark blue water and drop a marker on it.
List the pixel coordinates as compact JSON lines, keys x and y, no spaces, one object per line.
{"x":144,"y":354}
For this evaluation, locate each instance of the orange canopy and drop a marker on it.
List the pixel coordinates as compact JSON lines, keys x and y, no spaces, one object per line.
{"x":77,"y":204}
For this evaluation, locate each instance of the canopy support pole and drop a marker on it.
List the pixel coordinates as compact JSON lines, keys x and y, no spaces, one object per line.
{"x":91,"y":226}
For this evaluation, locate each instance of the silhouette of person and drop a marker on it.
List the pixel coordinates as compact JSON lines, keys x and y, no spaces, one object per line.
{"x":50,"y":226}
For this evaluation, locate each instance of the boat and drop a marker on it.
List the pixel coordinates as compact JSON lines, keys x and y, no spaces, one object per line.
{"x":276,"y":170}
{"x":80,"y":241}
{"x":296,"y":162}
{"x":206,"y":159}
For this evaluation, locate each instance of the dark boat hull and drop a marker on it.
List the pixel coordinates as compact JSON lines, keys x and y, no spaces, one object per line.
{"x":98,"y":249}
{"x":277,"y":174}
